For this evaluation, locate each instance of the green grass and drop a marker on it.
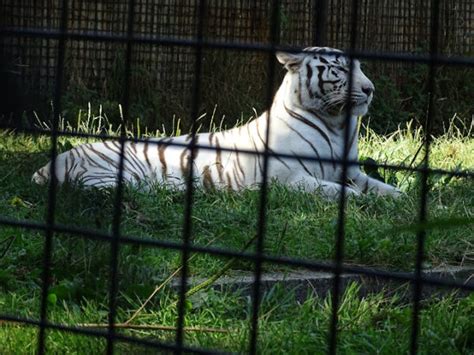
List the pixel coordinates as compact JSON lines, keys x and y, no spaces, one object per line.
{"x":379,"y":232}
{"x":369,"y":325}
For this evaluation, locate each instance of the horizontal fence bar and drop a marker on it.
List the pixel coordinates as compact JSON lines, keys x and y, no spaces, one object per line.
{"x":286,"y":261}
{"x":261,"y":47}
{"x":336,"y":267}
{"x":103,"y":334}
{"x":156,"y":141}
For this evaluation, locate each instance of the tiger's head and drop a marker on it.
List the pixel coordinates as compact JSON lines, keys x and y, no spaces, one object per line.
{"x":318,"y":81}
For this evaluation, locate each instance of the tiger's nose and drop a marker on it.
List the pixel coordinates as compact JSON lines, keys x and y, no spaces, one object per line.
{"x":368,"y":90}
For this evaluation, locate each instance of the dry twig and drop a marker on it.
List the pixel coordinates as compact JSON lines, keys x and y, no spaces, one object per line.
{"x":159,"y":287}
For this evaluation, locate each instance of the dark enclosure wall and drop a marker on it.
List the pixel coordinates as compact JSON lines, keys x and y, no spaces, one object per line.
{"x":233,"y":81}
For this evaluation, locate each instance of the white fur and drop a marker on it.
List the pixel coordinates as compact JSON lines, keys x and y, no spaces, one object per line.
{"x":303,"y":121}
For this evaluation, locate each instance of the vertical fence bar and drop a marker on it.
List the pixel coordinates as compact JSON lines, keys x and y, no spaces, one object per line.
{"x":48,"y":246}
{"x":339,"y":252}
{"x":262,"y":216}
{"x":320,"y":15}
{"x":187,"y":222}
{"x":116,"y":221}
{"x":423,"y":216}
{"x":187,"y":228}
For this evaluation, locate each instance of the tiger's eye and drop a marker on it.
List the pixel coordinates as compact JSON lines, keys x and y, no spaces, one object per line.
{"x":341,"y":68}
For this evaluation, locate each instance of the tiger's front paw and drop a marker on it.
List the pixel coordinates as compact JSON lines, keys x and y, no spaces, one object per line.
{"x":392,"y":191}
{"x":397,"y":193}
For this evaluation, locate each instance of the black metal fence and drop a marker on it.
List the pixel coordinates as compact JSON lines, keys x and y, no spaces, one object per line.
{"x":131,"y":36}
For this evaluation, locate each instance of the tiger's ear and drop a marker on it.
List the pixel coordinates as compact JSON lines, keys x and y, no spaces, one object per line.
{"x":291,"y":61}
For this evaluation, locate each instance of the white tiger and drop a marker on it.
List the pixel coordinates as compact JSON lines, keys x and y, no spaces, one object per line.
{"x":308,"y":116}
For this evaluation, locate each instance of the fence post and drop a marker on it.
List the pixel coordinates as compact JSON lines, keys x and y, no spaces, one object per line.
{"x":320,"y":12}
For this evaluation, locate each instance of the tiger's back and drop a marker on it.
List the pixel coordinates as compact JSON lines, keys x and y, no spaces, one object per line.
{"x":307,"y":118}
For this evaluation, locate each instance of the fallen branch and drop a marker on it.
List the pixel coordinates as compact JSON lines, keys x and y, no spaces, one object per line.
{"x":205,"y":284}
{"x":217,"y":275}
{"x":157,"y":289}
{"x":154,"y":327}
{"x":127,"y":326}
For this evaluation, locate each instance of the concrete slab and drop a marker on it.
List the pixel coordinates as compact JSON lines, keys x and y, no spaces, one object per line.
{"x":310,"y":283}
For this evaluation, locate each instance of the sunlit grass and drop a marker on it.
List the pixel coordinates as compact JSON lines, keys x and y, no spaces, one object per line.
{"x":379,"y":232}
{"x":374,"y":324}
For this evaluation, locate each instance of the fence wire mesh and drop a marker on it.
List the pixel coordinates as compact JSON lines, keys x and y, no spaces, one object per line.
{"x":47,"y":37}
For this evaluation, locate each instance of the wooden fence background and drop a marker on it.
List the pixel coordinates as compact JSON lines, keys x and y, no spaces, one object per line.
{"x":96,"y":66}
